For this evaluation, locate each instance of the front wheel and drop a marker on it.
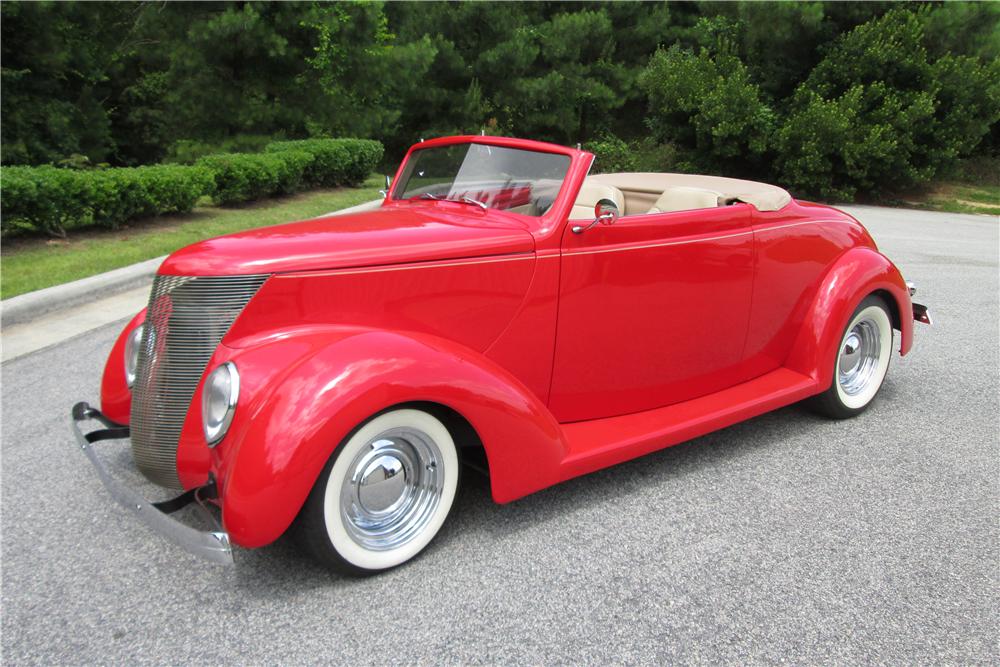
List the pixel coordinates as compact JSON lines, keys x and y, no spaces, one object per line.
{"x":384,"y":494}
{"x":862,"y":362}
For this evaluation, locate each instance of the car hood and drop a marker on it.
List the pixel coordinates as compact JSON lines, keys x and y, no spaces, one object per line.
{"x":393,"y":234}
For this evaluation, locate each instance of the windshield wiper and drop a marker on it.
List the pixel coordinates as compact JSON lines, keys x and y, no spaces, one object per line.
{"x":470,"y":200}
{"x":463,"y":200}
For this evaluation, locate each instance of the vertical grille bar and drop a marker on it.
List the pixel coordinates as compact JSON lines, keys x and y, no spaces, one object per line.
{"x":186,"y":319}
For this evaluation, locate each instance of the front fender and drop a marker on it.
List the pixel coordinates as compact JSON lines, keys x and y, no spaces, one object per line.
{"x":334,"y":378}
{"x":856,"y":274}
{"x":116,"y":397}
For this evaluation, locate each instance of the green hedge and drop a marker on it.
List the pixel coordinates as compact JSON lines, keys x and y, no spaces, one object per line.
{"x":335,"y":161}
{"x":242,"y":177}
{"x":289,"y":166}
{"x":53,"y":201}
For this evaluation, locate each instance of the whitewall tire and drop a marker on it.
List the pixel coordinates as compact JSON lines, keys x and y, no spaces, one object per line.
{"x":384,"y":494}
{"x":861,"y":362}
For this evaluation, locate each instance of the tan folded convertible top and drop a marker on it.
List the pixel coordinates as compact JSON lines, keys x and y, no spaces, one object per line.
{"x":762,"y":196}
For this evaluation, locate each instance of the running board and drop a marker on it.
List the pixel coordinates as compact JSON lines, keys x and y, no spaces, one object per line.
{"x":601,"y":443}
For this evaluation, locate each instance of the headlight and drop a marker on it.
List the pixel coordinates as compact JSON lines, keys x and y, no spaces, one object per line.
{"x":218,"y":401}
{"x":132,"y":354}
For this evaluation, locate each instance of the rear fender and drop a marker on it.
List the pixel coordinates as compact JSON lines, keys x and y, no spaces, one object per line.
{"x":334,"y":378}
{"x":856,"y":274}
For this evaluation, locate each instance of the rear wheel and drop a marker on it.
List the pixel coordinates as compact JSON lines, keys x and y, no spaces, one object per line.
{"x":384,"y":494}
{"x":862,"y":361}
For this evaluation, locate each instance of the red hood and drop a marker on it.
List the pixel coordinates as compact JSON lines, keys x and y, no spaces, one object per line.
{"x":394,"y":234}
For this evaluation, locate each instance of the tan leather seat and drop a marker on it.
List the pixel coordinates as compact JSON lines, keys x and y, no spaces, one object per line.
{"x":590,"y":194}
{"x":685,"y":199}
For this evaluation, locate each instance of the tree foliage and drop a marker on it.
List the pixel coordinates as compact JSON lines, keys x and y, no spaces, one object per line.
{"x":878,"y":114}
{"x":58,"y":61}
{"x":708,"y":104}
{"x":829,"y":98}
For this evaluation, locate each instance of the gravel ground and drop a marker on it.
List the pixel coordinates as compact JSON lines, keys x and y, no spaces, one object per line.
{"x":786,"y":538}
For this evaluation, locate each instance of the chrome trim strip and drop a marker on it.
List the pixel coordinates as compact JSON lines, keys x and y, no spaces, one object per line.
{"x":212,"y":545}
{"x":494,"y":259}
{"x":754,"y":230}
{"x":849,"y":223}
{"x":623,"y":248}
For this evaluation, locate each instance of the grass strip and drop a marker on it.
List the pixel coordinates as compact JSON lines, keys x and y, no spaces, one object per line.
{"x":978,"y":198}
{"x":31,"y":264}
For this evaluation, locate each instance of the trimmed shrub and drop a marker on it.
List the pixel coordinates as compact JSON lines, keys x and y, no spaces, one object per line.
{"x":335,"y":161}
{"x":242,"y":177}
{"x":53,"y":201}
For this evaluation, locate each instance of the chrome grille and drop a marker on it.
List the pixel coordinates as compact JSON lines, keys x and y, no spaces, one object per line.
{"x":186,"y":319}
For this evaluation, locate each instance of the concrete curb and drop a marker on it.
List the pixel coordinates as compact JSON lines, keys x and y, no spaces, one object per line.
{"x":30,"y":306}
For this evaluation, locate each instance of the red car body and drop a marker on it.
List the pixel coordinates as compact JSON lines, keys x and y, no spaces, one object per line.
{"x":565,"y":353}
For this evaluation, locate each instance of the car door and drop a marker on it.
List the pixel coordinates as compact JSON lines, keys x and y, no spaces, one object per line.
{"x":653,"y":310}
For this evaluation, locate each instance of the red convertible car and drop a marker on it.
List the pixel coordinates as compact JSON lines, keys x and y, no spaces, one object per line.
{"x":328,"y":377}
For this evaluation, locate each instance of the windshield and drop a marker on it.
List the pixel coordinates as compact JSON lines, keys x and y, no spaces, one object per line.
{"x":507,"y":179}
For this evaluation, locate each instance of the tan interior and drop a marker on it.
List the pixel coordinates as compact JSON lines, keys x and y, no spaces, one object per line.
{"x":655,"y":193}
{"x":683,"y":198}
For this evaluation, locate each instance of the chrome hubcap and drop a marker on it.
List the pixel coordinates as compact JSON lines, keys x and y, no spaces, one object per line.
{"x":382,"y":484}
{"x":393,"y":489}
{"x":859,"y":357}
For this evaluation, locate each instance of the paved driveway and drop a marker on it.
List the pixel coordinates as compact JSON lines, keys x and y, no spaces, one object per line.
{"x":784,"y":538}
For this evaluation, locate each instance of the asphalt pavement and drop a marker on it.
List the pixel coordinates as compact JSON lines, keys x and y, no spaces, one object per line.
{"x":784,"y":539}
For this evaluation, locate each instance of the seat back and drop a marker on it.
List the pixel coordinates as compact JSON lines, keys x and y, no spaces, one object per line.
{"x":590,"y":194}
{"x":685,"y":199}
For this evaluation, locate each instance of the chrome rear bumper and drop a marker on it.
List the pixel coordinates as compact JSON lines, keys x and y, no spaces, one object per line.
{"x":212,"y":545}
{"x":920,"y":311}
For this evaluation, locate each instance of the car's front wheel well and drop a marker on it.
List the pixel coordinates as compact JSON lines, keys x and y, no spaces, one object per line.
{"x":470,"y":446}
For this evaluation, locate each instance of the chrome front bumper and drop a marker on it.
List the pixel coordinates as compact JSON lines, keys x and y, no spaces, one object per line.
{"x":212,"y":545}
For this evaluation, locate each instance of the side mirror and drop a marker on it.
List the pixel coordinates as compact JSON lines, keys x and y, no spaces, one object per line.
{"x":605,"y":213}
{"x":388,"y":186}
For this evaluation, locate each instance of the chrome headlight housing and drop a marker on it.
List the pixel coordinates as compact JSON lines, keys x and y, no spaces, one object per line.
{"x":218,"y":401}
{"x":132,"y":345}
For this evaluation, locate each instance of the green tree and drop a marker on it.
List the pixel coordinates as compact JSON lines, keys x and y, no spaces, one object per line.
{"x":826,"y":96}
{"x":57,"y":63}
{"x":707,"y":105}
{"x":362,"y":73}
{"x":540,"y":70}
{"x":907,"y":116}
